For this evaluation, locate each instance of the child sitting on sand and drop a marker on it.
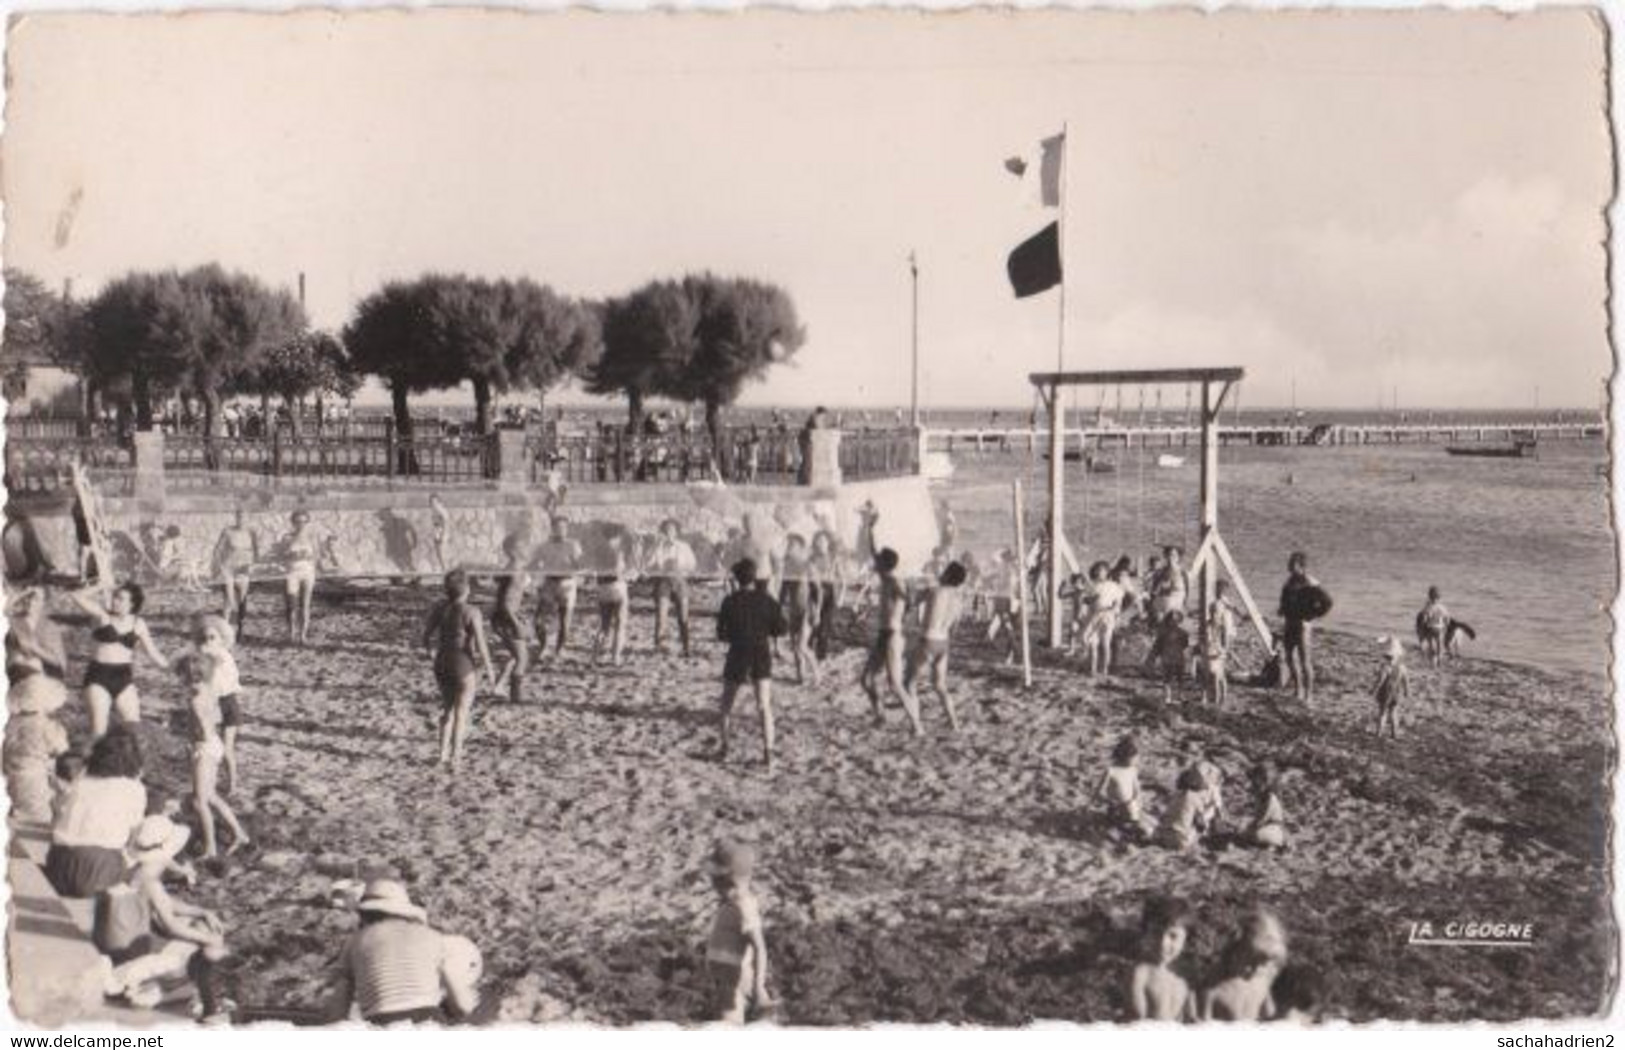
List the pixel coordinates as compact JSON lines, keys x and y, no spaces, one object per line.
{"x":1156,"y":992}
{"x":1211,"y":815}
{"x":737,"y":953}
{"x":1120,"y":787}
{"x":1268,"y":829}
{"x":1170,"y":651}
{"x":149,"y":935}
{"x":1297,"y":994}
{"x":215,"y":638}
{"x":200,"y":671}
{"x":1184,"y":821}
{"x":1432,"y":624}
{"x":1251,"y":964}
{"x":1393,"y":685}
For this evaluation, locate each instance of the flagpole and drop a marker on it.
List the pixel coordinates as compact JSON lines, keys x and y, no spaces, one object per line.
{"x":914,"y":341}
{"x":1057,"y":441}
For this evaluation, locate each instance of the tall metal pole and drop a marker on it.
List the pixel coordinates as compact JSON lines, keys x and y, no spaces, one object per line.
{"x":914,"y":340}
{"x":1057,"y":424}
{"x":1210,"y":498}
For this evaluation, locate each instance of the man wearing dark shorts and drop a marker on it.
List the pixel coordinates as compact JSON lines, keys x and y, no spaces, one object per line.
{"x":748,"y":621}
{"x":1297,"y":645}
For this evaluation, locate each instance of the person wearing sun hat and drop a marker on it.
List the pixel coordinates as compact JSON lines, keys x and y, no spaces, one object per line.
{"x":397,"y":968}
{"x":736,"y":955}
{"x":147,"y":934}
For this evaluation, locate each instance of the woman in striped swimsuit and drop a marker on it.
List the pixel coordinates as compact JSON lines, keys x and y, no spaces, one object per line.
{"x":110,"y":678}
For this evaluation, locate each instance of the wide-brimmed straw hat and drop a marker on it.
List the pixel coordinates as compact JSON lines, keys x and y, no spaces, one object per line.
{"x":388,"y":897}
{"x":158,"y":835}
{"x":734,"y":859}
{"x":38,"y":694}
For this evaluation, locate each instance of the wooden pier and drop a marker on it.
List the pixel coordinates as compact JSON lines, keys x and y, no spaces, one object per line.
{"x":1263,"y":435}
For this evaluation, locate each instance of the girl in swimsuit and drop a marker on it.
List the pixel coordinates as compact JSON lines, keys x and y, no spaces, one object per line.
{"x":110,"y":678}
{"x":299,"y":553}
{"x":234,"y":557}
{"x":455,"y":634}
{"x":208,"y":748}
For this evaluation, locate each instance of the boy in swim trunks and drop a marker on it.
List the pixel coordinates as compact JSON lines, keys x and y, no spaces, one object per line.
{"x":1120,"y":787}
{"x":887,"y":655}
{"x":748,"y":621}
{"x":561,"y":559}
{"x":943,"y":608}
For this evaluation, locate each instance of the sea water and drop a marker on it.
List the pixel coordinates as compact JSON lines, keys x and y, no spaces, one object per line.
{"x":1522,"y":549}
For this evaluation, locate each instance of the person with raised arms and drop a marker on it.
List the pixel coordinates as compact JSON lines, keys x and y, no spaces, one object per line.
{"x":110,"y":678}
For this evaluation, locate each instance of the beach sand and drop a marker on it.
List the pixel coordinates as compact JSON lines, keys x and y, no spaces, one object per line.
{"x":961,"y":879}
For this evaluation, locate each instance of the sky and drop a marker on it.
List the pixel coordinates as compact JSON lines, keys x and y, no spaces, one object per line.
{"x":1350,"y":206}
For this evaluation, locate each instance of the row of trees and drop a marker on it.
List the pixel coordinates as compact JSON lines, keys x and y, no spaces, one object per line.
{"x":208,"y":334}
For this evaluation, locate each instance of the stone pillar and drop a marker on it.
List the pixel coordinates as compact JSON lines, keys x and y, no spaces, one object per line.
{"x":149,"y":464}
{"x":824,"y":452}
{"x":513,"y":469}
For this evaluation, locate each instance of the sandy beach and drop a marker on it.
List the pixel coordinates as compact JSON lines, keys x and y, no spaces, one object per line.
{"x":962,"y":879}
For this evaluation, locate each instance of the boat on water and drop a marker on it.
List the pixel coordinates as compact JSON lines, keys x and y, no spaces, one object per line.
{"x":1166,"y":461}
{"x":1516,"y":450}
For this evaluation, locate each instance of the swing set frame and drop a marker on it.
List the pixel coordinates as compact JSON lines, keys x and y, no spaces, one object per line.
{"x":1211,"y":553}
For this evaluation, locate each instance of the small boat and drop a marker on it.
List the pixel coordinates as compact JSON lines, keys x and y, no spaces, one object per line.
{"x":1516,"y":450}
{"x":1167,"y":461}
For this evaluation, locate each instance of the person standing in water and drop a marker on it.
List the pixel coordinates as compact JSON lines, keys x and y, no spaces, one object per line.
{"x":455,"y":633}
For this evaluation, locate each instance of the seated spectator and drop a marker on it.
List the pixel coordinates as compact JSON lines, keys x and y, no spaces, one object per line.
{"x":96,"y":817}
{"x":397,"y":968}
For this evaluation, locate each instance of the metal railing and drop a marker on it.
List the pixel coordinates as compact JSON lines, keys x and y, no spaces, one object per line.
{"x":46,"y":464}
{"x":868,"y":454}
{"x":436,"y":458}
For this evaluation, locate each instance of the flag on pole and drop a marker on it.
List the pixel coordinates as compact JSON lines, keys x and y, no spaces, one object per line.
{"x":1050,"y":154}
{"x":1035,"y":265}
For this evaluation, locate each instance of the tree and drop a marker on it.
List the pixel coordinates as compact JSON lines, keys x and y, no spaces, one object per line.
{"x":743,"y":328}
{"x":393,"y":336}
{"x":34,"y":332}
{"x":200,"y":333}
{"x":648,"y":336}
{"x":309,"y":363}
{"x":439,"y":331}
{"x":554,"y":337}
